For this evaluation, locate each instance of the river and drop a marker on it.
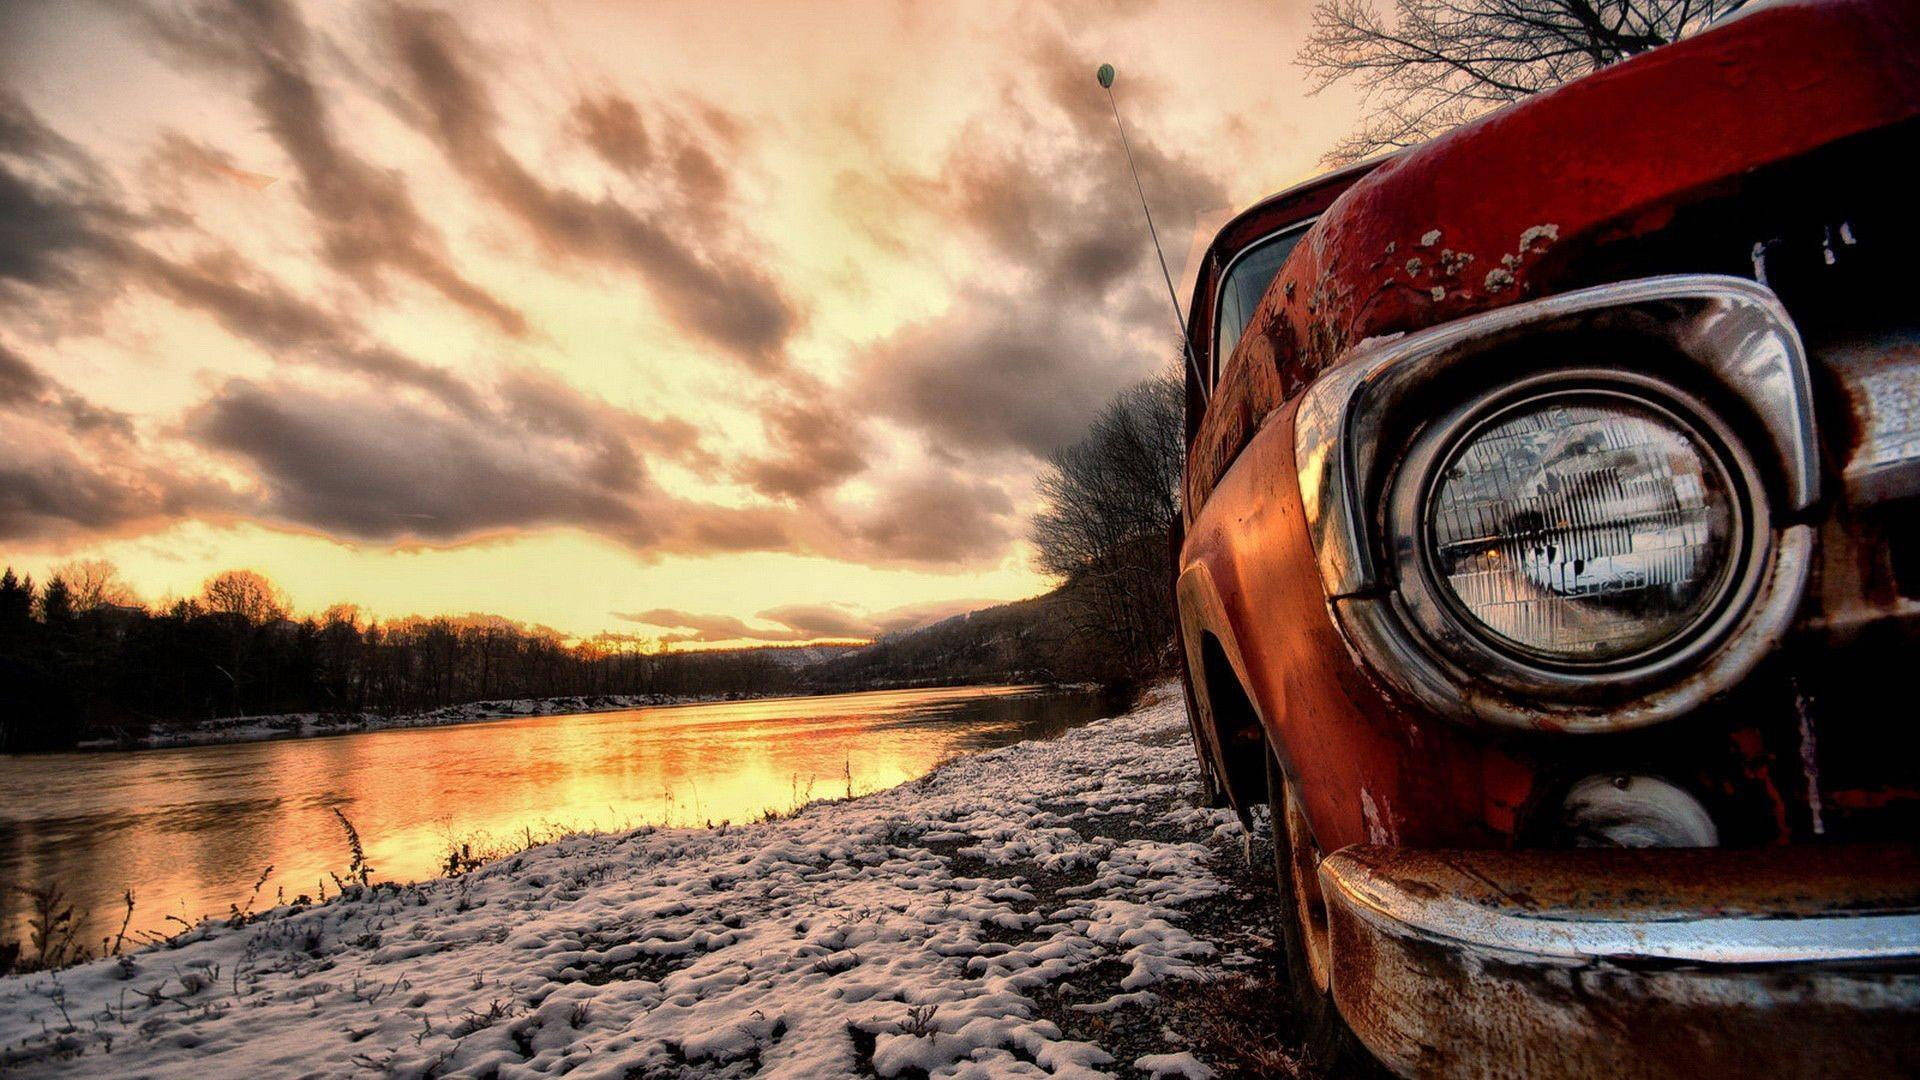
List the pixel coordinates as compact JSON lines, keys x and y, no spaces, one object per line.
{"x":191,"y":830}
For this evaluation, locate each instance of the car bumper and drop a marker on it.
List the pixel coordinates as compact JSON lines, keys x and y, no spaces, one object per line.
{"x":1779,"y":962}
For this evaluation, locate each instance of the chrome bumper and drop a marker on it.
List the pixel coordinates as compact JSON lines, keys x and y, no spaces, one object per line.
{"x":1781,"y":962}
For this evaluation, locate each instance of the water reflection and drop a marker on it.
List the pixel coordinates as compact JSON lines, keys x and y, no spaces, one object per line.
{"x":190,"y":830}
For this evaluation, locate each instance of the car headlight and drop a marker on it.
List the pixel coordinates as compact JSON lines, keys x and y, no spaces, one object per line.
{"x":1576,"y":534}
{"x":1582,"y":527}
{"x":1559,"y":514}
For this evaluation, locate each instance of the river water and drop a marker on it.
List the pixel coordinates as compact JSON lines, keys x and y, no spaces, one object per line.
{"x":190,"y":830}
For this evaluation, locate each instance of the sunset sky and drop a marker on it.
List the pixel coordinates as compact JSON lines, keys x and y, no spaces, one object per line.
{"x":703,"y":322}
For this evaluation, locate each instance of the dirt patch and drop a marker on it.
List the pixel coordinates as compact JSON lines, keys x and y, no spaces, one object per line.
{"x":1235,"y":1018}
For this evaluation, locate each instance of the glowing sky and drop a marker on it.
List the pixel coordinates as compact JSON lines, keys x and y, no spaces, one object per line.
{"x":722,"y":322}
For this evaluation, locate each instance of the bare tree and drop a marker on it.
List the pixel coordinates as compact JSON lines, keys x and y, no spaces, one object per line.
{"x":342,"y":614}
{"x":246,"y":593}
{"x":1438,"y":63}
{"x":95,"y":584}
{"x":1111,"y":500}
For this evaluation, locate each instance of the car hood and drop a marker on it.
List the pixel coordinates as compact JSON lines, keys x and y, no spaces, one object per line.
{"x":1502,"y":209}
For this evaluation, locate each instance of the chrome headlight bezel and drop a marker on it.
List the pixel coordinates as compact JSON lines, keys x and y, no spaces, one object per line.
{"x":1724,"y":339}
{"x":1431,"y":609}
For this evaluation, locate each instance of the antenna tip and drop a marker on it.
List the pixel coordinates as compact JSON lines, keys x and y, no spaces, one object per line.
{"x":1105,"y":75}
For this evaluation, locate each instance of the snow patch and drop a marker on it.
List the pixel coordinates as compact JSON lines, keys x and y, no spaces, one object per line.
{"x":1162,"y":1066}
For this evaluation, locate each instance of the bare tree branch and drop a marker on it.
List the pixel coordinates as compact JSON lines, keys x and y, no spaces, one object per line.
{"x":1438,"y":63}
{"x":1110,"y":501}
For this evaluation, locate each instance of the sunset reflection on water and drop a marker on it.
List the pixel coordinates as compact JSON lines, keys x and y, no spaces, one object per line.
{"x":190,"y":830}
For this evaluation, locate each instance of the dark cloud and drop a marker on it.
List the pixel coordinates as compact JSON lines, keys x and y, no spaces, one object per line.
{"x":371,"y":467}
{"x":820,"y":620}
{"x":1002,"y":372}
{"x":706,"y":529}
{"x":936,"y":518}
{"x":940,"y":518}
{"x":611,"y":124}
{"x":798,"y":622}
{"x":70,"y":468}
{"x":22,"y":133}
{"x":256,"y":308}
{"x":58,"y":490}
{"x":542,"y":403}
{"x":19,"y":382}
{"x":720,"y":295}
{"x":699,"y":175}
{"x":1072,"y":308}
{"x":368,"y":220}
{"x":816,"y":443}
{"x":693,"y":627}
{"x":75,"y":244}
{"x":842,"y":621}
{"x":23,"y":387}
{"x":50,"y":212}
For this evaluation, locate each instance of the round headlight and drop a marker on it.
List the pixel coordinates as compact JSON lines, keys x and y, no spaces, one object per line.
{"x":1583,"y":527}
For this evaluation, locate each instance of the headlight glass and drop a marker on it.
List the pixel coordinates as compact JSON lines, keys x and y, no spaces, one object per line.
{"x":1583,"y":527}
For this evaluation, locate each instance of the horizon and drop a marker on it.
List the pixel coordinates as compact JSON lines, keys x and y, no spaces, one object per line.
{"x":604,"y":320}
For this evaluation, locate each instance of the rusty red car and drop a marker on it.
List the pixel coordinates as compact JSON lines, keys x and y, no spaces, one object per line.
{"x":1551,"y":566}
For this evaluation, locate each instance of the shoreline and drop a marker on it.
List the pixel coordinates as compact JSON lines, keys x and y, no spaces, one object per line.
{"x":272,"y":727}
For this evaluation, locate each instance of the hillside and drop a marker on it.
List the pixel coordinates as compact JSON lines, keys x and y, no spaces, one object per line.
{"x":1023,"y":641}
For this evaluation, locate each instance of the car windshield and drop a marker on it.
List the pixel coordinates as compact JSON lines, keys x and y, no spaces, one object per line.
{"x":1246,"y":282}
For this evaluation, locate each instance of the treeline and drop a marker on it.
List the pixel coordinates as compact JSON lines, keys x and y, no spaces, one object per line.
{"x":80,"y":658}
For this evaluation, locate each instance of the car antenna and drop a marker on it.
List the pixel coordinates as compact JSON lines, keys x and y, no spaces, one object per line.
{"x":1105,"y":74}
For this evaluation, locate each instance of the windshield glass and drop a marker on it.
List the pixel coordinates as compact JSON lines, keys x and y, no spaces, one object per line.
{"x":1246,"y":282}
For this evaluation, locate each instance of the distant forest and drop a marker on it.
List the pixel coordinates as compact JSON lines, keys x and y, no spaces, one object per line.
{"x":81,"y":657}
{"x":79,"y":661}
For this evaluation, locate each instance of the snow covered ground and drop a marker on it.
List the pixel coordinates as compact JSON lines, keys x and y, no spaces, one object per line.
{"x":1032,"y":911}
{"x":295,"y":725}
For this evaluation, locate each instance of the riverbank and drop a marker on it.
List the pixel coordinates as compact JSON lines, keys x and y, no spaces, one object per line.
{"x":315,"y":724}
{"x":309,"y":724}
{"x":1050,"y":908}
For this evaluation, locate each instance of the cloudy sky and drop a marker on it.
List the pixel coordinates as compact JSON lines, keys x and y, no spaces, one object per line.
{"x":706,"y":322}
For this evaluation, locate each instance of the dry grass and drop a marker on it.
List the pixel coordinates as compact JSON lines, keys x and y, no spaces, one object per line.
{"x":471,"y":852}
{"x":1234,"y":1022}
{"x":53,"y":934}
{"x":359,"y":871}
